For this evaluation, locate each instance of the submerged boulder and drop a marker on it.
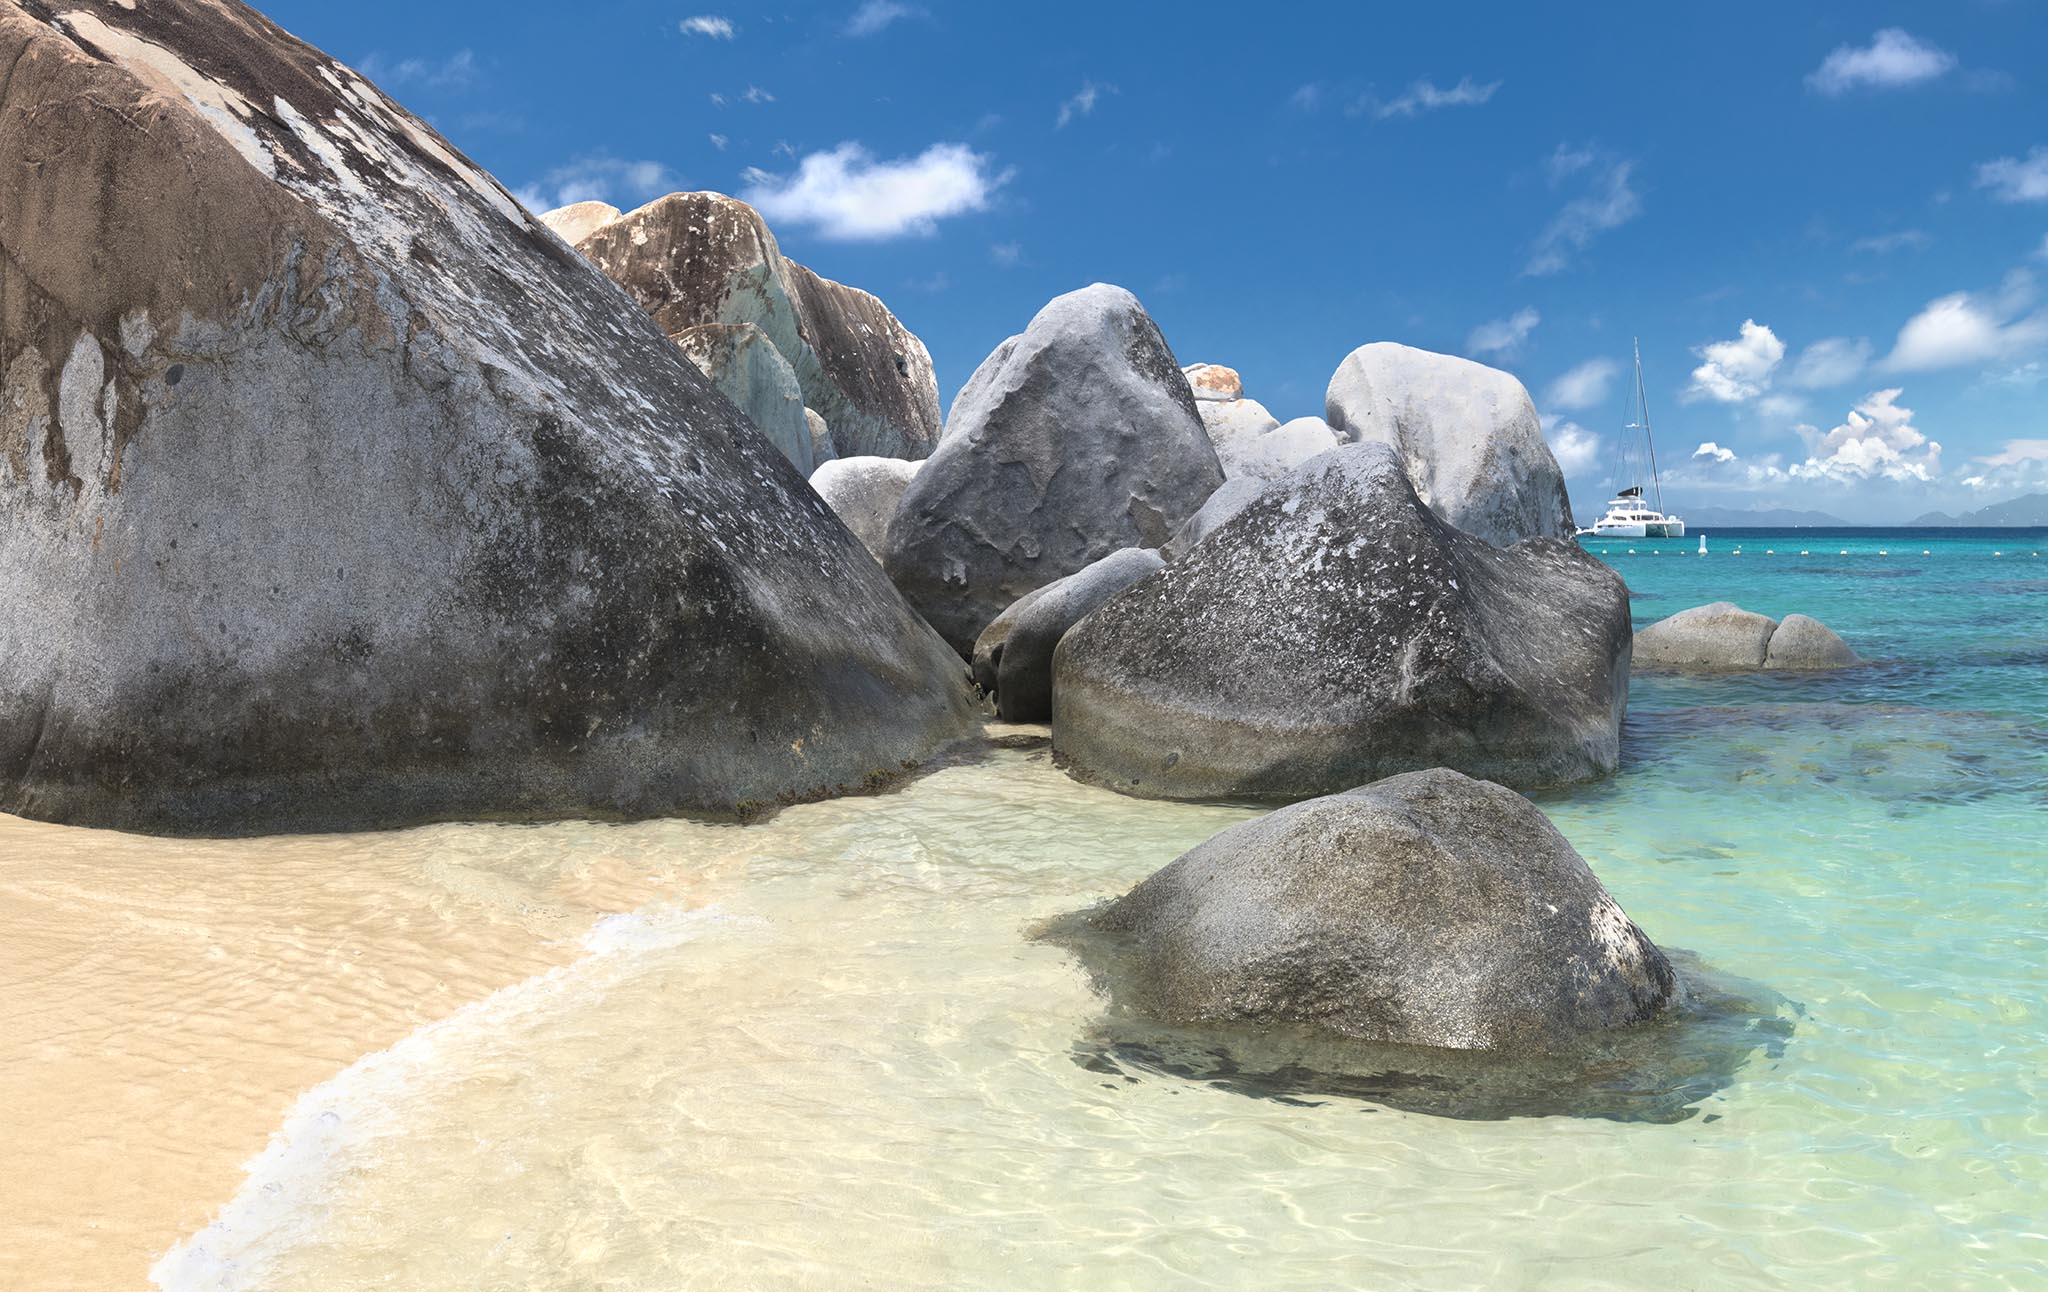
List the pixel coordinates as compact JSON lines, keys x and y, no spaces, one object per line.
{"x":1724,"y":638}
{"x":863,"y":493}
{"x":745,"y":367}
{"x":1425,"y":909}
{"x":692,"y":259}
{"x":1335,"y":631}
{"x":1074,"y":439}
{"x":1468,"y":435}
{"x":339,"y":494}
{"x":1013,"y":655}
{"x":1804,"y":643}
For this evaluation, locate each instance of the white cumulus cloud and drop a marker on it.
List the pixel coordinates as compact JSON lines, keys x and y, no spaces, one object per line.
{"x":1576,"y":449}
{"x":847,"y":194}
{"x":1964,"y":328}
{"x":1878,"y":439}
{"x":1714,"y":452}
{"x":1737,"y":371}
{"x":1832,"y":361}
{"x":2014,"y":179}
{"x":1893,"y":59}
{"x":1503,"y":336}
{"x":709,"y":24}
{"x":1583,"y":386}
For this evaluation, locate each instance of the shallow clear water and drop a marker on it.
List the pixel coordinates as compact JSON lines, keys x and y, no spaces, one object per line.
{"x":841,"y":1061}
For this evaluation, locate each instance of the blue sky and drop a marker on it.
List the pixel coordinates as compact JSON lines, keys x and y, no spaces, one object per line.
{"x":1827,"y":222}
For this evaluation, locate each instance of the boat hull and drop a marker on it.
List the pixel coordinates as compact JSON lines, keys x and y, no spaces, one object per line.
{"x":1618,"y":530}
{"x":1664,"y":529}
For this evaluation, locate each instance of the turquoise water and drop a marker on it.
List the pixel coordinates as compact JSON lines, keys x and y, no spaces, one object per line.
{"x":848,"y":1064}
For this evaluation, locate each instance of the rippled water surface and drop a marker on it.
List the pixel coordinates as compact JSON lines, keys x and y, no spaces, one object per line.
{"x":824,"y":1052}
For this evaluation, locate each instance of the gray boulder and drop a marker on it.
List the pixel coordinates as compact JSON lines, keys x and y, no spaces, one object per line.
{"x":864,"y":492}
{"x":1280,"y":451}
{"x":1075,"y":439}
{"x":1719,"y":638}
{"x":745,"y":367}
{"x":1336,"y":631}
{"x":1232,"y":498}
{"x":691,"y":259}
{"x":1235,"y":427}
{"x":822,"y":448}
{"x":1013,"y":655}
{"x":1468,"y":435}
{"x":335,"y":492}
{"x":1724,"y":638}
{"x":1807,"y":644}
{"x":1426,"y":909}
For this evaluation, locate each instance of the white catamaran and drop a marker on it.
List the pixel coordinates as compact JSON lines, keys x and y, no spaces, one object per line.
{"x":1629,"y":514}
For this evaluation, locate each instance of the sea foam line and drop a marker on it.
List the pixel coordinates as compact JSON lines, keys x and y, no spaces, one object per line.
{"x":281,"y":1203}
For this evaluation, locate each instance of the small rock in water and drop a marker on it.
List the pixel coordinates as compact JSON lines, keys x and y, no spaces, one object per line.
{"x":1724,"y":638}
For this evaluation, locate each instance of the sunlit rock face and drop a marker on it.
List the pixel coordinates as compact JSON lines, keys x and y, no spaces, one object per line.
{"x":1468,"y":435}
{"x":692,"y":259}
{"x":1073,"y":439}
{"x":1332,"y":630}
{"x":1725,"y":638}
{"x":336,"y":491}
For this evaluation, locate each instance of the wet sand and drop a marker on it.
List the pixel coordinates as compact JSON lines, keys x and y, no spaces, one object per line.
{"x":163,"y":1002}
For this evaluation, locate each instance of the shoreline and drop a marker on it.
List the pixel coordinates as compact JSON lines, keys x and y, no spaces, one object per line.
{"x":170,"y":1010}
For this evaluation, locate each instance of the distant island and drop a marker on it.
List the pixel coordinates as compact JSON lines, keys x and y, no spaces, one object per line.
{"x":1761,"y":518}
{"x":2025,"y":510}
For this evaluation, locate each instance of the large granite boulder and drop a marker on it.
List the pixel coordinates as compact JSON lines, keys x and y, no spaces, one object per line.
{"x":1467,"y":433}
{"x":1213,"y":381}
{"x":1335,"y":631}
{"x":1013,"y":655}
{"x":336,"y":492}
{"x":1074,"y":439}
{"x":744,"y":366}
{"x":1235,"y":427}
{"x":1425,"y":909}
{"x":1724,"y":638}
{"x":578,"y":220}
{"x":692,"y":259}
{"x":1226,"y":502}
{"x":863,"y":492}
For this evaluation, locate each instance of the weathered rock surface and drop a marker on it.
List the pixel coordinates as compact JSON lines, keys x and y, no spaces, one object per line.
{"x":1013,"y":655}
{"x":863,"y":492}
{"x":1213,"y":381}
{"x":1425,"y":909}
{"x":692,"y":259}
{"x":335,"y":492}
{"x":1467,"y":433}
{"x":1235,"y":427}
{"x":1335,"y":631}
{"x":1807,"y":644}
{"x":1724,"y":638}
{"x":1074,"y":439}
{"x":745,"y":367}
{"x":822,"y":449}
{"x":1280,"y":451}
{"x":1226,"y":502}
{"x":578,"y":220}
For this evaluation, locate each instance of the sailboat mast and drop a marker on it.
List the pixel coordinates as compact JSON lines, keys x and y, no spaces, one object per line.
{"x":1649,"y":442}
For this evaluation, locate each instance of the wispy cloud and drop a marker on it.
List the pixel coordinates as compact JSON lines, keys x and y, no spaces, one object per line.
{"x":1609,"y":202}
{"x":876,"y":15}
{"x":1083,"y":102}
{"x":1503,"y":336}
{"x":2012,"y":179}
{"x":1883,"y":244}
{"x":1832,"y":361}
{"x":1583,"y":386}
{"x":1008,"y":255}
{"x":1964,"y":328}
{"x":755,"y":94}
{"x":1893,"y":59}
{"x":1425,"y":96}
{"x":848,"y":195}
{"x":709,"y":25}
{"x":598,"y":178}
{"x":459,"y":71}
{"x":1306,"y":98}
{"x":719,"y":142}
{"x":1576,"y":449}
